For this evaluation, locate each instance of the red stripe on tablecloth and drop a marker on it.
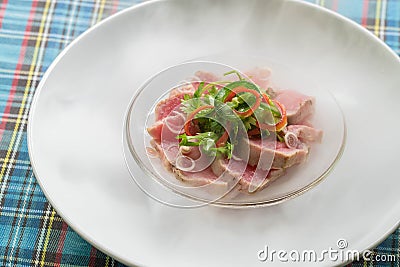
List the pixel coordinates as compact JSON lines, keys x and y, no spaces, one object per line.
{"x":114,"y":7}
{"x":2,"y":11}
{"x":93,"y":253}
{"x":60,"y":245}
{"x":365,"y":13}
{"x":18,"y":68}
{"x":335,"y":5}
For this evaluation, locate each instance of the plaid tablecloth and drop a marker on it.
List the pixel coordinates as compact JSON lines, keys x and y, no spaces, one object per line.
{"x":32,"y":34}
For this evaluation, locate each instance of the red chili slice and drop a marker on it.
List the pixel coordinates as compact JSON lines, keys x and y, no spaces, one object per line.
{"x":278,"y":126}
{"x":222,"y":140}
{"x":188,"y":123}
{"x":266,"y":98}
{"x":241,"y":89}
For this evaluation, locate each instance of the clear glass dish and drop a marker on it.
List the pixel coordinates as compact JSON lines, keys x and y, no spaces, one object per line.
{"x":162,"y":185}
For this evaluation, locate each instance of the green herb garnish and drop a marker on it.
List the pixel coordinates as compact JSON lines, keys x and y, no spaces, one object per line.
{"x":230,"y":105}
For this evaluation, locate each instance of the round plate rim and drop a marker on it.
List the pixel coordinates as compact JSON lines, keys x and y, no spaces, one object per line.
{"x":64,"y":52}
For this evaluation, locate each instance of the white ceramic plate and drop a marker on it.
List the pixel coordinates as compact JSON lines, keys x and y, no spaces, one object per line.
{"x":75,"y":133}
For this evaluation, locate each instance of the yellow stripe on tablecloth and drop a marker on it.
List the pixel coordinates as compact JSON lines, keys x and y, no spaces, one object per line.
{"x":26,"y":94}
{"x":102,"y":4}
{"x":107,"y":261}
{"x":46,"y":241}
{"x":26,"y":91}
{"x":31,"y":81}
{"x":377,"y":17}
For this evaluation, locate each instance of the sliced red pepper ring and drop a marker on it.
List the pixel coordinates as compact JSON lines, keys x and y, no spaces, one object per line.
{"x":222,"y":140}
{"x":255,"y":131}
{"x":241,"y":89}
{"x":266,"y":98}
{"x":283,"y":122}
{"x":278,"y":126}
{"x":187,"y":126}
{"x":192,"y":128}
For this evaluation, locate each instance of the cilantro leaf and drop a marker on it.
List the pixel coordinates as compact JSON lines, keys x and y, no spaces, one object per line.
{"x":199,"y":90}
{"x":224,"y":150}
{"x":191,"y":105}
{"x":249,"y":122}
{"x":224,"y":92}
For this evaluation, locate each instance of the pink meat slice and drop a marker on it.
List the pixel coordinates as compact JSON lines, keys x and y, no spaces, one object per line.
{"x":203,"y":177}
{"x":260,"y":76}
{"x":306,"y":133}
{"x":299,"y":107}
{"x":165,"y":162}
{"x":205,"y":76}
{"x":213,"y":184}
{"x":167,"y":128}
{"x":246,"y":180}
{"x":200,"y":178}
{"x":166,"y":106}
{"x":277,"y":152}
{"x":239,"y":171}
{"x":173,"y":102}
{"x":155,"y":130}
{"x":182,"y":90}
